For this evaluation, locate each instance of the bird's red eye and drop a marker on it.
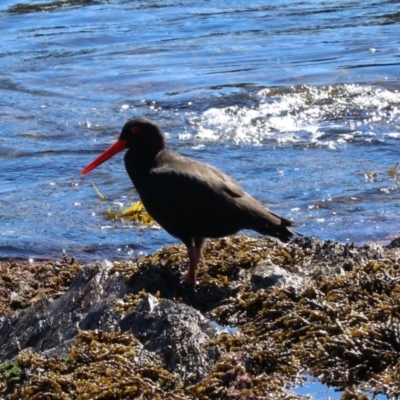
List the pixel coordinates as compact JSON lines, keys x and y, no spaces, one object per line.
{"x":135,"y":129}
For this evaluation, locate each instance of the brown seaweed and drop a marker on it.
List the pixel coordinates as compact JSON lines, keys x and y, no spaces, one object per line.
{"x":337,"y":318}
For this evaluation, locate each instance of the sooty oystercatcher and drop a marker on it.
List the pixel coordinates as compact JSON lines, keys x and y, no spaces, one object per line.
{"x":189,"y":199}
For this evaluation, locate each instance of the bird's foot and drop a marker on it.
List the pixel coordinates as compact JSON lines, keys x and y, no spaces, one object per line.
{"x":190,"y":278}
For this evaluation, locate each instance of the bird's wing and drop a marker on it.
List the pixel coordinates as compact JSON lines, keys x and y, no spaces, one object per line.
{"x":222,"y":182}
{"x":201,"y":173}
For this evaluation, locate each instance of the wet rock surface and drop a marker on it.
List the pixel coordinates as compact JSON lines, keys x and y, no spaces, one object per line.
{"x":131,"y":329}
{"x":176,"y":332}
{"x":51,"y":323}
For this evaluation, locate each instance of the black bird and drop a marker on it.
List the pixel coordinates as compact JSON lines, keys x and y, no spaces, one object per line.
{"x":189,"y":199}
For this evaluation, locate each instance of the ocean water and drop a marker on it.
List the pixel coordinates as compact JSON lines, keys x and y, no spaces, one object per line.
{"x":297,"y":100}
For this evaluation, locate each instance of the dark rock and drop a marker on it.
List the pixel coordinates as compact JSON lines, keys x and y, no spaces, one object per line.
{"x":50,"y":325}
{"x":267,"y":274}
{"x":176,"y":332}
{"x":394,"y":244}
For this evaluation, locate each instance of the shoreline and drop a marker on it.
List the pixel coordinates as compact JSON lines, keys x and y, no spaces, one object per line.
{"x":320,"y":308}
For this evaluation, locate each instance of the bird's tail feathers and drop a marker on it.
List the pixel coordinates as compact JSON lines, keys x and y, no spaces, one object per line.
{"x":283,"y":232}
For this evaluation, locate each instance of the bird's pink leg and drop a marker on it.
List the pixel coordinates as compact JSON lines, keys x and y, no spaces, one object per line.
{"x":194,"y":254}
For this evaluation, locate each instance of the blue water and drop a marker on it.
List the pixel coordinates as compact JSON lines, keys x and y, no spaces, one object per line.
{"x":297,"y":100}
{"x":313,"y":388}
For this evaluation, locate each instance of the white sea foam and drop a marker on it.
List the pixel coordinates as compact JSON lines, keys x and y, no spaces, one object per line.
{"x":327,"y":115}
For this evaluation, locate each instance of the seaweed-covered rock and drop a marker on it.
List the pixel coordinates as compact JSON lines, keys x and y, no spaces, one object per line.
{"x":24,"y":283}
{"x":130,"y":329}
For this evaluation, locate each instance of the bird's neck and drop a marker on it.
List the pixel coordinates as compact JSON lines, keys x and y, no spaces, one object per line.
{"x":139,"y":164}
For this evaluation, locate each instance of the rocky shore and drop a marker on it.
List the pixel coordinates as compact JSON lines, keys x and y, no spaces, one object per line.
{"x":263,"y":316}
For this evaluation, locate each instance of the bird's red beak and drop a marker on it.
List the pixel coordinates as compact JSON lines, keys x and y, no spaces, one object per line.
{"x":118,"y":146}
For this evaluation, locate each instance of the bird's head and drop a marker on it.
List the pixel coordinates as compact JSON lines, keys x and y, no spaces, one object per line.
{"x":142,"y":136}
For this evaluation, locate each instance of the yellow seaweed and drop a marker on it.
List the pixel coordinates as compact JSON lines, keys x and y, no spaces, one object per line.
{"x":101,"y":196}
{"x":393,"y":171}
{"x":136,"y":212}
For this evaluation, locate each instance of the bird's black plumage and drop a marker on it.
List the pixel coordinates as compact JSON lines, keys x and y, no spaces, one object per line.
{"x":189,"y":199}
